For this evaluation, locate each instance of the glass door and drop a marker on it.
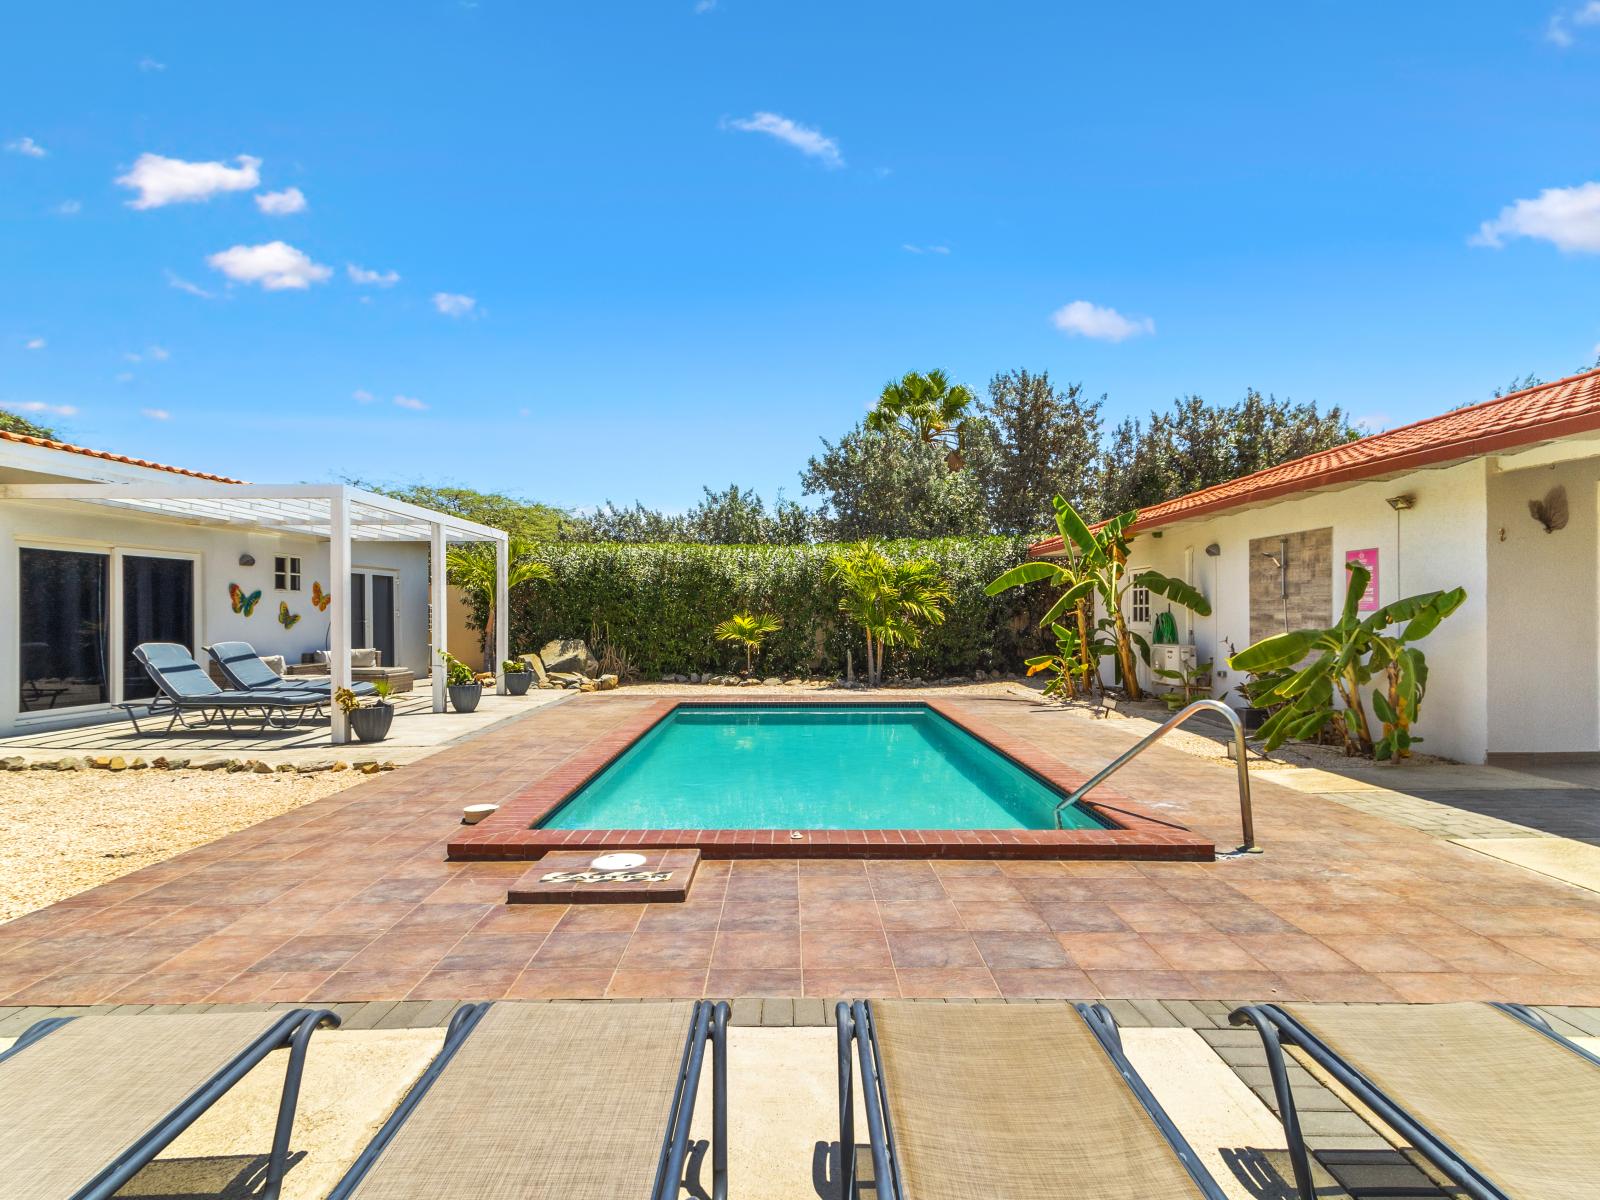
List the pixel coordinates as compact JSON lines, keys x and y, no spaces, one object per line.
{"x":157,"y":606}
{"x":372,"y":613}
{"x":61,"y":628}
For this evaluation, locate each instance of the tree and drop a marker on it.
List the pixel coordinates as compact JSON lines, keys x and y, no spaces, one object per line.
{"x":735,"y":517}
{"x":522,"y":519}
{"x":471,"y":567}
{"x":878,"y":484}
{"x":891,"y":601}
{"x":925,"y":408}
{"x":749,"y":629}
{"x":1047,"y":443}
{"x":12,"y":423}
{"x":1197,"y":445}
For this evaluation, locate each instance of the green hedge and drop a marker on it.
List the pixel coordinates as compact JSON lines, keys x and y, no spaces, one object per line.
{"x":658,"y":604}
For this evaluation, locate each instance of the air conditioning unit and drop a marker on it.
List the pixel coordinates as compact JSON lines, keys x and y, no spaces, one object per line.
{"x":1164,"y":656}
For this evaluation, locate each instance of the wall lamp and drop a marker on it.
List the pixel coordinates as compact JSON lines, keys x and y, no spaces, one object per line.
{"x":1402,"y":503}
{"x":1213,"y":550}
{"x":247,"y":560}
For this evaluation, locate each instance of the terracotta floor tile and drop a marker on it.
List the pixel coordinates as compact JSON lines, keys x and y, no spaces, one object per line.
{"x":1159,"y":917}
{"x":1021,"y":950}
{"x":923,"y":949}
{"x":482,"y":951}
{"x":1340,"y":987}
{"x":582,"y":950}
{"x":981,"y":889}
{"x":924,"y":916}
{"x":1263,"y":986}
{"x":1573,"y":956}
{"x":601,"y":918}
{"x":823,"y":913}
{"x":750,"y":949}
{"x":844,"y":949}
{"x":1111,"y":952}
{"x":842,"y":984}
{"x":1437,"y":987}
{"x":1017,"y":918}
{"x":538,"y":983}
{"x":530,"y":919}
{"x":1081,"y":918}
{"x":481,"y":983}
{"x":674,"y":949}
{"x":657,"y":984}
{"x":1542,"y":989}
{"x":946,"y":981}
{"x":754,"y":916}
{"x":726,"y":983}
{"x":1201,"y":952}
{"x":1053,"y":983}
{"x":1294,"y":952}
{"x":1140,"y":985}
{"x":1380,"y":954}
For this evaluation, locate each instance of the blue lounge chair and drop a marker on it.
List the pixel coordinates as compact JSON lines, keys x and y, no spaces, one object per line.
{"x":185,"y":688}
{"x":246,"y":671}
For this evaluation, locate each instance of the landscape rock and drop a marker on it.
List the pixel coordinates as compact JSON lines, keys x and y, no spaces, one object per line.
{"x":772,"y":681}
{"x":368,"y":768}
{"x":286,"y":768}
{"x":339,"y":765}
{"x":587,"y":685}
{"x":138,"y":764}
{"x":541,"y":677}
{"x":606,"y":683}
{"x":389,"y":766}
{"x":261,"y":768}
{"x":749,"y":683}
{"x":15,"y":763}
{"x":70,"y":764}
{"x":569,"y":654}
{"x":214,"y":764}
{"x":320,"y":765}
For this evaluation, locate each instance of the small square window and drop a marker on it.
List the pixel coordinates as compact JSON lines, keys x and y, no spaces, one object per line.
{"x":1140,"y":605}
{"x":286,"y":573}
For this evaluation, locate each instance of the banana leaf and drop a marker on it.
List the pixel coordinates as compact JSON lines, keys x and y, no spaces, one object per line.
{"x":1028,"y":572}
{"x":1175,"y":590}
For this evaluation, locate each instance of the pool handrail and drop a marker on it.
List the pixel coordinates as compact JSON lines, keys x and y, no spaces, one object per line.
{"x":1246,"y":817}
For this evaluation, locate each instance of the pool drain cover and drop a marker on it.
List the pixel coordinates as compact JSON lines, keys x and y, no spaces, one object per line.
{"x":618,"y":862}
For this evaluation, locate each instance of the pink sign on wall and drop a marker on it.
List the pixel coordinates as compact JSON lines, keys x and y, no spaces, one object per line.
{"x":1369,"y":560}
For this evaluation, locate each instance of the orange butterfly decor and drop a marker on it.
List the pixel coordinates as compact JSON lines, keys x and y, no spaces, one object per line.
{"x":320,"y":598}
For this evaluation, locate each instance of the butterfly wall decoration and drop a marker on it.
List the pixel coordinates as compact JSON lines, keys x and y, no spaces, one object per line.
{"x":319,"y":597}
{"x":244,"y":602}
{"x":286,"y":618}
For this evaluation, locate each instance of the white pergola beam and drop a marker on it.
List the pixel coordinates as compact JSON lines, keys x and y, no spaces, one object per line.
{"x":339,"y":614}
{"x":438,"y":615}
{"x":502,"y":612}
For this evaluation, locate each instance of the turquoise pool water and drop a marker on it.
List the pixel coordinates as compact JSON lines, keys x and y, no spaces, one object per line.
{"x":807,"y":767}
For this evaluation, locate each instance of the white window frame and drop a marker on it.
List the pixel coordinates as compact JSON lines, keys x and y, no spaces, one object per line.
{"x":116,"y":649}
{"x":289,"y":576}
{"x":1139,"y":598}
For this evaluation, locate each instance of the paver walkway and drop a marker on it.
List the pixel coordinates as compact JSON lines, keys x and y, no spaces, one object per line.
{"x":351,"y":899}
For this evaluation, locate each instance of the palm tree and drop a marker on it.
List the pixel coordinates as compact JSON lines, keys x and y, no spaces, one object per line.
{"x":924,"y":407}
{"x":892,"y":602}
{"x":750,"y":629}
{"x":471,"y":568}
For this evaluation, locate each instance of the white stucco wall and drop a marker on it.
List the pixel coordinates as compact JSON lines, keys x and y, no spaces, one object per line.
{"x":1440,"y":545}
{"x":1544,"y":623}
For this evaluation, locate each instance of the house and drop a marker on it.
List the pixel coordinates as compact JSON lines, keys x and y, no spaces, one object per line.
{"x":100,"y":552}
{"x":1462,"y":499}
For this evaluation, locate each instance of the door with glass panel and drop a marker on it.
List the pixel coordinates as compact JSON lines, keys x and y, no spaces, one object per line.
{"x":62,"y":628}
{"x":372,"y":616}
{"x":157,"y":606}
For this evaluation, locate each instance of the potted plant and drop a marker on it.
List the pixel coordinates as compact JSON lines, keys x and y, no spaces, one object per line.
{"x":464,"y":688}
{"x":519,"y":676}
{"x":369,"y":722}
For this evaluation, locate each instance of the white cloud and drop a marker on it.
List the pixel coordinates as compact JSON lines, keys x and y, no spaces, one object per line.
{"x":1558,"y":31}
{"x":702,"y":7}
{"x":811,"y":142}
{"x":364,"y":276}
{"x":1569,"y":218}
{"x":160,"y":180}
{"x":276,"y":266}
{"x":149,"y":64}
{"x":156,"y":414}
{"x":410,"y":402}
{"x":281,"y":204}
{"x":183,"y":285}
{"x":36,"y":406}
{"x":69,"y":208}
{"x":453,"y":304}
{"x":362,"y":396}
{"x":910,"y":249}
{"x":26,"y":146}
{"x":1083,"y":319}
{"x":37,"y":343}
{"x":153,"y":353}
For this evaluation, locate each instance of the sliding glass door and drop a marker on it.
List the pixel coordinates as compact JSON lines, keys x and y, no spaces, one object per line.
{"x":372,"y":621}
{"x":63,"y":628}
{"x":157,"y":606}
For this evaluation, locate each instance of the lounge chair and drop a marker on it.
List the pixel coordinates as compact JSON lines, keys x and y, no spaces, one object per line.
{"x":1495,"y":1099}
{"x":185,"y":688}
{"x":90,"y":1101}
{"x":1028,"y":1102}
{"x":245,"y":671}
{"x":553,"y":1100}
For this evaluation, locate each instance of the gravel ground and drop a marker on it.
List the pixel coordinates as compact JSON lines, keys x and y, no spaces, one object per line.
{"x":65,"y":832}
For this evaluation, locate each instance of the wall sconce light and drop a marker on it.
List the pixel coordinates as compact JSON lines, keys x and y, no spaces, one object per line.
{"x":1157,"y":533}
{"x":247,"y":560}
{"x":1402,"y":503}
{"x":1213,"y":550}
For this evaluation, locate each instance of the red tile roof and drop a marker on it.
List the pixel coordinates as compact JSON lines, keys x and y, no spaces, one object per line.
{"x":28,"y":440}
{"x":1526,"y":418}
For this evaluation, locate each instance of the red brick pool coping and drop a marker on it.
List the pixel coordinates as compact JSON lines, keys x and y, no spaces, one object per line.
{"x":510,"y":835}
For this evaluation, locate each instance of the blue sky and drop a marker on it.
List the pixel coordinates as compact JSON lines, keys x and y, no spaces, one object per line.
{"x":621,"y":250}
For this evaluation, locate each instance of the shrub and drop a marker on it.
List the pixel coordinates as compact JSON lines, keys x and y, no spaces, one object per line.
{"x":660,"y":606}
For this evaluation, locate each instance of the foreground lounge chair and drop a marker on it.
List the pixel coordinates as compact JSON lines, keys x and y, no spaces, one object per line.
{"x":90,"y":1101}
{"x":245,"y":671}
{"x":557,"y":1101}
{"x":1026,"y":1102}
{"x":185,"y":688}
{"x":1494,"y":1098}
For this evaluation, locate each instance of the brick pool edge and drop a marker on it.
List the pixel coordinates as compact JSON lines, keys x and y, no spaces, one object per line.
{"x":508,"y":835}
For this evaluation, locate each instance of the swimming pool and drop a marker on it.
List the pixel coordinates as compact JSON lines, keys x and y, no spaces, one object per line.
{"x":800,"y":767}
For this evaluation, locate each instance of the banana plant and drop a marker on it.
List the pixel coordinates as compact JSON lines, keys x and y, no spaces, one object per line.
{"x":1342,"y":660}
{"x":1096,"y":564}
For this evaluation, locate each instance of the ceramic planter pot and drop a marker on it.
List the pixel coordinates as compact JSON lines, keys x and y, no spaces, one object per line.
{"x":371,"y":723}
{"x":518,"y":682}
{"x":464,"y":697}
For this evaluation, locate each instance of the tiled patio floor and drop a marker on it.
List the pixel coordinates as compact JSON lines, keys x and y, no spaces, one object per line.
{"x":350,"y":898}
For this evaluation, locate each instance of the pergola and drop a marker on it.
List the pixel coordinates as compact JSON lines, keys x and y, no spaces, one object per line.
{"x":336,"y":512}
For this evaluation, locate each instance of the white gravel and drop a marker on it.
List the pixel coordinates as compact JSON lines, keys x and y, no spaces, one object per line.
{"x":64,"y":832}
